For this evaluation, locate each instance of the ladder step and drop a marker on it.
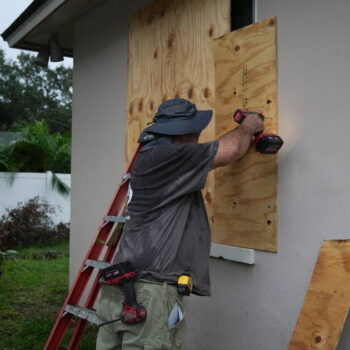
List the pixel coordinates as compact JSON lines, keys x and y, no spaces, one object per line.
{"x":84,"y":313}
{"x":121,"y":219}
{"x":96,"y":263}
{"x":127,"y":176}
{"x":115,"y":235}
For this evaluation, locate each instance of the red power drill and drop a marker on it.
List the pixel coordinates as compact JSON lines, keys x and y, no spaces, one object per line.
{"x":265,"y":143}
{"x":123,"y":274}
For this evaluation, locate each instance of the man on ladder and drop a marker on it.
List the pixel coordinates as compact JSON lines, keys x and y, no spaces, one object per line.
{"x":167,"y":234}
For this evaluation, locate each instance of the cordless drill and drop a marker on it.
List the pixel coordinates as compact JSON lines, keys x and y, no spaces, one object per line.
{"x":123,"y":274}
{"x":265,"y":143}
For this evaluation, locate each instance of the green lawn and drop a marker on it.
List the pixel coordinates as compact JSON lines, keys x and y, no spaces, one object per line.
{"x":33,"y":287}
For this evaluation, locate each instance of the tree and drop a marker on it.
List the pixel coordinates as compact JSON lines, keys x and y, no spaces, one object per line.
{"x":37,"y":150}
{"x":29,"y":93}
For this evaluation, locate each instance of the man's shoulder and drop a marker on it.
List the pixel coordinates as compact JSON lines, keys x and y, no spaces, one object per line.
{"x":173,"y":148}
{"x":190,"y":153}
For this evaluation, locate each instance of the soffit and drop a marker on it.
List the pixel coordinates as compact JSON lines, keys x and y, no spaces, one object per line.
{"x":31,"y":36}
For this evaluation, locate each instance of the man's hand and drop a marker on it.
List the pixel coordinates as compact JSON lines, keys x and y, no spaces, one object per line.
{"x":235,"y":144}
{"x":255,"y":122}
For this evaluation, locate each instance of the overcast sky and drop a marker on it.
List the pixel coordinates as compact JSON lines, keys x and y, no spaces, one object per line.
{"x":9,"y":11}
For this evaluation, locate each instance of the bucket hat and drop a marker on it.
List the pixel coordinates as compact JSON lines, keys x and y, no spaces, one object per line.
{"x":178,"y":116}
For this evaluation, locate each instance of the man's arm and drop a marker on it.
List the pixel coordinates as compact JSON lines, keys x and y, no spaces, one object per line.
{"x":235,"y":144}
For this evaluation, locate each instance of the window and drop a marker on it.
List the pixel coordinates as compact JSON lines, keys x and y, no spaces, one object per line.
{"x":243,"y":13}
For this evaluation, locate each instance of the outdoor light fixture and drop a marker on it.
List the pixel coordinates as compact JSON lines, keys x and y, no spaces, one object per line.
{"x":56,"y":54}
{"x":52,"y":50}
{"x":42,"y":59}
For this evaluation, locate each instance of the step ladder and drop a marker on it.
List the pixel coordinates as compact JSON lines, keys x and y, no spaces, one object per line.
{"x":105,"y":245}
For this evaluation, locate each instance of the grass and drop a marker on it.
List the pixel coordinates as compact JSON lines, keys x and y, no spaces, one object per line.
{"x":33,"y":287}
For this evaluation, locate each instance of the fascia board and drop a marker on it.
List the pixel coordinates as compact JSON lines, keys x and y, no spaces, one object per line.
{"x":35,"y":19}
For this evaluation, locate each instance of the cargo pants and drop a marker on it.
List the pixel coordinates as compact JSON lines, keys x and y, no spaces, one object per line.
{"x":160,"y":331}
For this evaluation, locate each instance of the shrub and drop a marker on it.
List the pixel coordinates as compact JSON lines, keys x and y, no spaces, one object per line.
{"x":30,"y":224}
{"x":36,"y":149}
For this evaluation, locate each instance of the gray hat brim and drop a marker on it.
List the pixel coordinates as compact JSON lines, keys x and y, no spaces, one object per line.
{"x":174,"y":126}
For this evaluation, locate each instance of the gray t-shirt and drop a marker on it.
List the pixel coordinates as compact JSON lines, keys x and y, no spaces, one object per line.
{"x":168,"y":232}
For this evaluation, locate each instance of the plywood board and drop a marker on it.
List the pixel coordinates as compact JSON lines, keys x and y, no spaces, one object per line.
{"x":245,"y":210}
{"x":170,"y":56}
{"x":327,"y":301}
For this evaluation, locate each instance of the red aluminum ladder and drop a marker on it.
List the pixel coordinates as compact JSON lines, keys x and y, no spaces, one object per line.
{"x":108,"y":234}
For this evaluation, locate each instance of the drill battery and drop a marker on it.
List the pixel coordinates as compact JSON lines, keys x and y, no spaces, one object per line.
{"x":268,"y":143}
{"x":117,"y":273}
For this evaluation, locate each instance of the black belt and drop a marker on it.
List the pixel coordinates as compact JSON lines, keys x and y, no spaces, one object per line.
{"x":149,"y":277}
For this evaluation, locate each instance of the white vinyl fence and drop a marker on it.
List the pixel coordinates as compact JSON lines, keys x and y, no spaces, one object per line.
{"x":29,"y":185}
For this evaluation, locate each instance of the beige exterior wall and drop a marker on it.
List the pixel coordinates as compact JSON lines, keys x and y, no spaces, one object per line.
{"x":99,"y":105}
{"x":252,"y":308}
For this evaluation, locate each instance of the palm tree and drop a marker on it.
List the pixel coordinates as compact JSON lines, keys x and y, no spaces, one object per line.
{"x":36,"y":150}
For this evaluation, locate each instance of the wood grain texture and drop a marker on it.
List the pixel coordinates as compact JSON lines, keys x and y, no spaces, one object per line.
{"x":245,"y":210}
{"x":327,"y":301}
{"x":170,"y":56}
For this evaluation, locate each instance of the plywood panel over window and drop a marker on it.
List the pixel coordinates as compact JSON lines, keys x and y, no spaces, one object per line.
{"x":245,"y":209}
{"x":170,"y":56}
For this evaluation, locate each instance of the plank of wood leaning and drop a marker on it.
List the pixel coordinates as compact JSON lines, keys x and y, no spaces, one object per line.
{"x":245,"y":206}
{"x":170,"y":56}
{"x":327,"y":301}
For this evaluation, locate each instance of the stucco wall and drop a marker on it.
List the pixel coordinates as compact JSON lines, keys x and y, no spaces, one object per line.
{"x":99,"y":104}
{"x":251,"y":308}
{"x":255,"y":308}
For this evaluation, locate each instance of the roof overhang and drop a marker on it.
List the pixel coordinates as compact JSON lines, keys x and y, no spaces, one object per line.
{"x":43,"y":18}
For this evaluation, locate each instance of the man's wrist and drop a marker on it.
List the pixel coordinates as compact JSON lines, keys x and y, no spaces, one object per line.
{"x":247,"y":129}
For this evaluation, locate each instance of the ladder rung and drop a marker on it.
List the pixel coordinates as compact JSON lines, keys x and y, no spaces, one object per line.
{"x":115,"y":234}
{"x":96,"y":263}
{"x":86,"y":314}
{"x":121,"y":219}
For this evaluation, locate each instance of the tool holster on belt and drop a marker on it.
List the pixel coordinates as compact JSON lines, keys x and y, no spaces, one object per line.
{"x":123,"y":274}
